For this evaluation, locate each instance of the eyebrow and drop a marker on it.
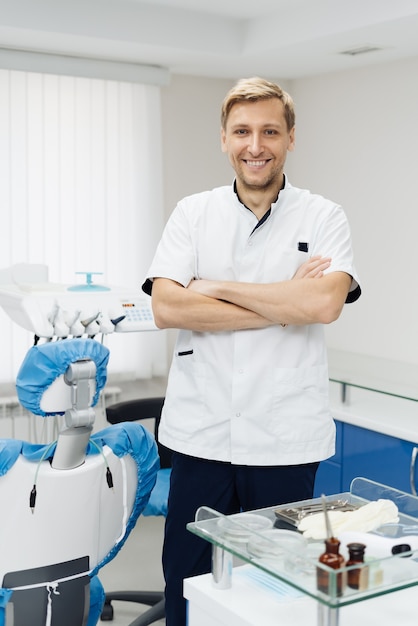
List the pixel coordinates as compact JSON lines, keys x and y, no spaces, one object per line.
{"x":267,"y":125}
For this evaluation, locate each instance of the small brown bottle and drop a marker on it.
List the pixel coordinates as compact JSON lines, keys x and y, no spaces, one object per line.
{"x":332,"y":558}
{"x":357,"y":578}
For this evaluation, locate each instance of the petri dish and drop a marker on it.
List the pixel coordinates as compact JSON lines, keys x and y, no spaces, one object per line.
{"x":241,"y":526}
{"x":276,"y":543}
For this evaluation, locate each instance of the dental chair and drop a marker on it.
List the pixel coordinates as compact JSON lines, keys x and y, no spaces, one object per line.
{"x":132,"y":411}
{"x":67,"y":507}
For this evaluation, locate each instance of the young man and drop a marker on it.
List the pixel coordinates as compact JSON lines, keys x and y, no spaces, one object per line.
{"x":249,"y":274}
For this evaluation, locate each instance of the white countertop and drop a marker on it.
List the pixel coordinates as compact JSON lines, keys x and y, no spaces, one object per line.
{"x":382,"y":413}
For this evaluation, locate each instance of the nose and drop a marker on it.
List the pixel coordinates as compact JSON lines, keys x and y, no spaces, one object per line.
{"x":255,"y":144}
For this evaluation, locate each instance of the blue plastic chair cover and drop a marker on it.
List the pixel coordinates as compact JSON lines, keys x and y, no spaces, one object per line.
{"x":44,"y":363}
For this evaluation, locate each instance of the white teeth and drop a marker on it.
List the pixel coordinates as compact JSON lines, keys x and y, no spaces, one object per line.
{"x":256,"y":163}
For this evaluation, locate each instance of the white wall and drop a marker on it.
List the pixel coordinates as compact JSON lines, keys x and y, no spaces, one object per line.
{"x":356,"y":142}
{"x":192,"y":157}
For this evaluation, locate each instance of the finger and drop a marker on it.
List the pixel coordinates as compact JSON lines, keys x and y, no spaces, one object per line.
{"x":320,"y":265}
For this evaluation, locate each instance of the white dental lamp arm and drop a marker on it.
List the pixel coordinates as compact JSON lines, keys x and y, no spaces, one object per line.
{"x":80,"y":376}
{"x":79,"y":419}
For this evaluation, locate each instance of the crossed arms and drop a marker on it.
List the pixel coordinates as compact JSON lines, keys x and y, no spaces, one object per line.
{"x":211,"y":305}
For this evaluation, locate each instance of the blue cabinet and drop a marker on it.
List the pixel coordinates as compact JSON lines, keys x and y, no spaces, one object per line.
{"x":376,"y":456}
{"x":366,"y":453}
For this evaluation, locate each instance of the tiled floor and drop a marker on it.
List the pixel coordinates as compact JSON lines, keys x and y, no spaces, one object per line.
{"x":137,"y":566}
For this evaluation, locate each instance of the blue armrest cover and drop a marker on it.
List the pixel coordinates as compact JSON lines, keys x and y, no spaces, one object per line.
{"x":157,"y":504}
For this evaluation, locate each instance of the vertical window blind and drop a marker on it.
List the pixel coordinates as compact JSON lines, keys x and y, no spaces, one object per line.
{"x":81,"y":191}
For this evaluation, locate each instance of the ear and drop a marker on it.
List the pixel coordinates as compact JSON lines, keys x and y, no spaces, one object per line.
{"x":291,"y":145}
{"x":223,"y":141}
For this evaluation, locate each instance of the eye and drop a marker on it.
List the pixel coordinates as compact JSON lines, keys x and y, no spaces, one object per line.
{"x":241,"y":131}
{"x":270,"y":131}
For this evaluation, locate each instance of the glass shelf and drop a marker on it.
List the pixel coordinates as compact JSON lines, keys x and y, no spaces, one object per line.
{"x":390,"y":378}
{"x":251,"y":537}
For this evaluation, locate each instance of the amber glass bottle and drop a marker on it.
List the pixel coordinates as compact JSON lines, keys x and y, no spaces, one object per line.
{"x":357,"y":578}
{"x":332,"y":558}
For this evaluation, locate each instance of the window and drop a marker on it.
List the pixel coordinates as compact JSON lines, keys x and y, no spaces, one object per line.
{"x":81,"y":190}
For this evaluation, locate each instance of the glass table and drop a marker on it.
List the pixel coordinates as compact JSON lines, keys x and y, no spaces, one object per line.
{"x":261,"y":538}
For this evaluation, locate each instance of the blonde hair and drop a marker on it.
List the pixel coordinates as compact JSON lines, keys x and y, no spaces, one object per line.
{"x":254,"y":89}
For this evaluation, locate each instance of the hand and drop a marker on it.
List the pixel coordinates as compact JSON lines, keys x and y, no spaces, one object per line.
{"x":313,"y":267}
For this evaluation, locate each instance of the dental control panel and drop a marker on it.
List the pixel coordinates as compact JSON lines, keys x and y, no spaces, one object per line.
{"x":56,"y":310}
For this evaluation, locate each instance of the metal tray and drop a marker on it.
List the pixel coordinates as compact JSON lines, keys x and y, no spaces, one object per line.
{"x":293,"y":515}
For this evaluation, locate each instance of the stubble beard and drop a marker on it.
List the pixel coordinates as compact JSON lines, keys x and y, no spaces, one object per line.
{"x":269,"y":182}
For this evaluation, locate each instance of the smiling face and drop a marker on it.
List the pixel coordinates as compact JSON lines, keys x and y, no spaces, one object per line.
{"x":256,"y":140}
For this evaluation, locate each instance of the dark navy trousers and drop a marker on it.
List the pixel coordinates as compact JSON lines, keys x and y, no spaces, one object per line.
{"x":228,"y":489}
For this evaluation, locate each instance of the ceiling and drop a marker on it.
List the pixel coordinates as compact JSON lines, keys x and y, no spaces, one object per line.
{"x":218,"y":38}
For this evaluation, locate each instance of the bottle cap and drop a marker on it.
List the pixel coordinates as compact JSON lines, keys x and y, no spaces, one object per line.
{"x":356,"y":548}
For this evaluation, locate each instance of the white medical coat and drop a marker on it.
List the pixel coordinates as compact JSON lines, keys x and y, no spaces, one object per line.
{"x":251,"y":397}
